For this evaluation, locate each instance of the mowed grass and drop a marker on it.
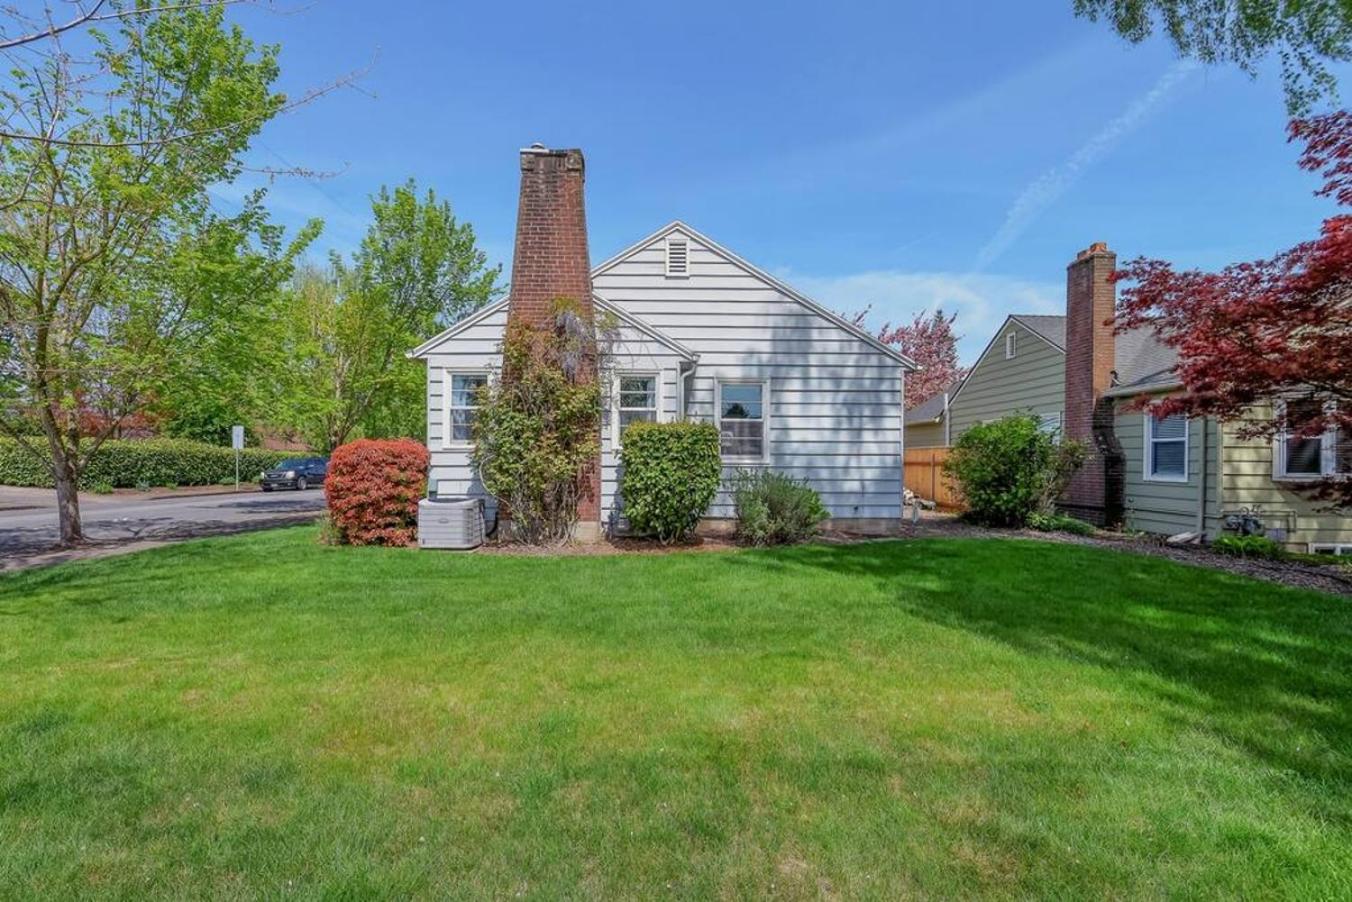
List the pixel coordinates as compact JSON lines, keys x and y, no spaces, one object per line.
{"x":262,"y":716}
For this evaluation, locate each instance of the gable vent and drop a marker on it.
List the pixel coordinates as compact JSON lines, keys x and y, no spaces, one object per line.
{"x":678,"y":258}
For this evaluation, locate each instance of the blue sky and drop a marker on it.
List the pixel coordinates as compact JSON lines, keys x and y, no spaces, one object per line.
{"x":898,"y":154}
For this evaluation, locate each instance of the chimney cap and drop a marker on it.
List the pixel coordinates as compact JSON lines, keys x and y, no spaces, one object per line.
{"x":1097,"y":248}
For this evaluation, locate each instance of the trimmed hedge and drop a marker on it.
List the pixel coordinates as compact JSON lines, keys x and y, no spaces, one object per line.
{"x":126,"y":464}
{"x":373,"y":488}
{"x":671,"y":475}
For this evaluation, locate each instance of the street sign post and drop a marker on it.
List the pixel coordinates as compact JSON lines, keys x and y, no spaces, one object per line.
{"x":237,"y":442}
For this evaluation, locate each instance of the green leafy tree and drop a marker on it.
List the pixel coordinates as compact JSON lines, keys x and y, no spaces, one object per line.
{"x":417,"y":271}
{"x":1306,"y":35}
{"x":113,"y":265}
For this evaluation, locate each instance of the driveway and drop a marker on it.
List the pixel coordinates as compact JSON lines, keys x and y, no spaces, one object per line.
{"x":28,"y":522}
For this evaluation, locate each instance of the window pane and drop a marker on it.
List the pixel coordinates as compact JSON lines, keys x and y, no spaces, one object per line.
{"x":742,"y":438}
{"x":638,"y":386}
{"x":1168,"y":459}
{"x":1304,"y":456}
{"x":741,"y":402}
{"x":462,"y":425}
{"x":1172,"y":427}
{"x":638,"y":399}
{"x":464,"y":387}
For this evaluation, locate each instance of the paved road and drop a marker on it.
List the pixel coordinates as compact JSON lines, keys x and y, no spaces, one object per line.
{"x":28,"y":516}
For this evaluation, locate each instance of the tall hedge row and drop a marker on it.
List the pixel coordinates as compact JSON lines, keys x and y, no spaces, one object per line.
{"x":127,"y":464}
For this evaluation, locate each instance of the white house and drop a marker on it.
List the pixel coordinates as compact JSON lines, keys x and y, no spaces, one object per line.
{"x":702,"y":335}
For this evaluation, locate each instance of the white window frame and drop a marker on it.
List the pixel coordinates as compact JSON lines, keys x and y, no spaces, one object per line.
{"x":764,"y":419}
{"x":447,"y":391}
{"x":1339,"y":549}
{"x":684,"y":242}
{"x":1328,"y":453}
{"x":1011,"y":344}
{"x":1147,"y":473}
{"x":656,"y":376}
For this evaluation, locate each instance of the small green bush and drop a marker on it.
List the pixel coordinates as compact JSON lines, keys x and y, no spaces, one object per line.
{"x":671,"y":475}
{"x":1248,"y":546}
{"x":102,"y":488}
{"x":1010,"y":469}
{"x":774,"y":509}
{"x":141,"y":464}
{"x":1059,"y":523}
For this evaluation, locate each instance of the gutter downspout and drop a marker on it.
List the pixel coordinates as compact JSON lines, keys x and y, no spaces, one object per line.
{"x":1201,"y":483}
{"x":948,"y":427}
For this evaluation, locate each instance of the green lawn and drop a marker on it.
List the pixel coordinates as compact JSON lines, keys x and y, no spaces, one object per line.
{"x":262,"y":715}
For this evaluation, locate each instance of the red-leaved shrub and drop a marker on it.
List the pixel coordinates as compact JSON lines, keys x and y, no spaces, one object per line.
{"x":373,"y":489}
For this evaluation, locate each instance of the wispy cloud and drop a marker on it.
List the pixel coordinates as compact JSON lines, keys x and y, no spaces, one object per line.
{"x":980,"y":300}
{"x":1048,"y":187}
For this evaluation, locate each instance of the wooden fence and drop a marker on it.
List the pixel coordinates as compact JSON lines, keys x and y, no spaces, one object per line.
{"x":923,"y":473}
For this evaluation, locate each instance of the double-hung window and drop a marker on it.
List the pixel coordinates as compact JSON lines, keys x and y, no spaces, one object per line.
{"x":636,"y":401}
{"x":462,"y":405}
{"x":1301,"y":456}
{"x":1166,"y":448}
{"x":741,"y":420}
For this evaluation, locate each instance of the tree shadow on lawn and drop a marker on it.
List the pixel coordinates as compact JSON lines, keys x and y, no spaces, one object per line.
{"x":1264,"y":667}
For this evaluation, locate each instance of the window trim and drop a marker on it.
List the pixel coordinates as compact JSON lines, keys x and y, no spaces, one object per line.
{"x":1339,"y":549}
{"x":764,"y":419}
{"x":656,"y":376}
{"x":684,"y":242}
{"x":1328,"y":452}
{"x":1011,"y":344}
{"x":447,"y":392}
{"x":1148,"y":464}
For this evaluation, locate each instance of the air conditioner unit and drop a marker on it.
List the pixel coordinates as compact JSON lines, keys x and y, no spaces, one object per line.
{"x":451,"y":522}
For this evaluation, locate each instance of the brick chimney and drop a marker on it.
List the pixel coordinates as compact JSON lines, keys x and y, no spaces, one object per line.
{"x":1091,"y":299}
{"x":551,"y":262}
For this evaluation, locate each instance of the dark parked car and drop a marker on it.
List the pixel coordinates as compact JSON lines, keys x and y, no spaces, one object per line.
{"x":296,"y":473}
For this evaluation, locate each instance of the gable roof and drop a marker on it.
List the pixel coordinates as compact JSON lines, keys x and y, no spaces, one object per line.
{"x":1143,"y":362}
{"x":652,"y":332}
{"x":785,"y":289}
{"x":601,"y":303}
{"x":1050,"y":328}
{"x":456,"y":328}
{"x":1044,"y":327}
{"x":931,"y":410}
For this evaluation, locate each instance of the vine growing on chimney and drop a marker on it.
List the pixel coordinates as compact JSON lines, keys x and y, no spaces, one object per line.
{"x":537,"y":432}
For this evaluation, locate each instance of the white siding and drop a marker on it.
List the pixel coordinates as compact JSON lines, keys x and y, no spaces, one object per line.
{"x":835,"y":412}
{"x":477,"y":348}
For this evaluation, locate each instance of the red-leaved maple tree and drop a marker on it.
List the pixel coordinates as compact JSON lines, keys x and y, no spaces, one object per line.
{"x":1270,"y":330}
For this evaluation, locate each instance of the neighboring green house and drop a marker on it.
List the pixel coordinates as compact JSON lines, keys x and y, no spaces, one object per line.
{"x":1023,"y":369}
{"x":926,"y":425}
{"x":1167,"y":476}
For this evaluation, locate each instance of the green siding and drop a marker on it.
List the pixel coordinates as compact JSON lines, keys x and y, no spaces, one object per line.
{"x":925,"y":435}
{"x":1033,"y":380}
{"x":1168,"y":508}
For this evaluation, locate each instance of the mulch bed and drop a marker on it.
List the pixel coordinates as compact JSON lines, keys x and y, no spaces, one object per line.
{"x":1332,"y":578}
